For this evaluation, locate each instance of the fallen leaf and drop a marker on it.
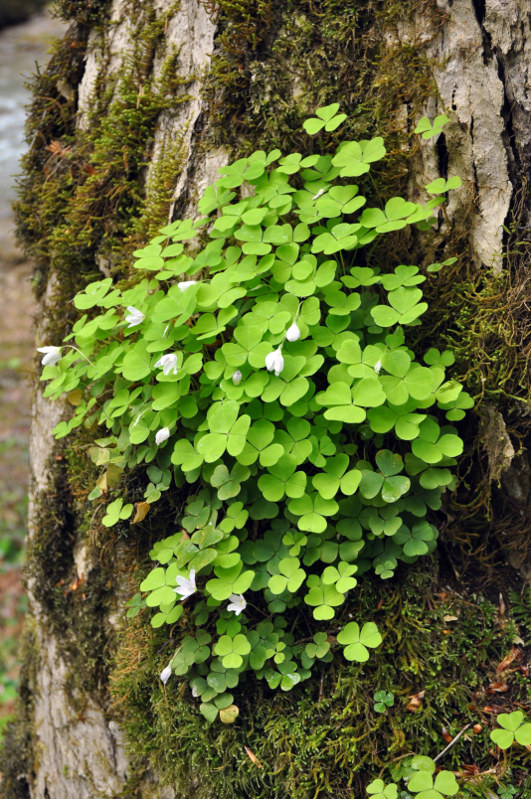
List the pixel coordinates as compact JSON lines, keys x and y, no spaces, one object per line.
{"x":252,"y":757}
{"x":450,"y":618}
{"x":497,"y":688}
{"x":508,"y":659}
{"x":415,"y":701}
{"x":141,"y":511}
{"x":470,"y":770}
{"x":56,"y":148}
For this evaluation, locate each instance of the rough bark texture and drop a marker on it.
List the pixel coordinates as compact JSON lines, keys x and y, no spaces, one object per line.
{"x":77,"y":746}
{"x":479,"y":54}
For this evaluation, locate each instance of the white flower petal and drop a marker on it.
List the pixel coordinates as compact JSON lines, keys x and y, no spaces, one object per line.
{"x":237,"y":603}
{"x":184,"y":284}
{"x":237,"y":377}
{"x":377,"y":366}
{"x":274,"y":362}
{"x":167,"y":363}
{"x":135,"y":316}
{"x":51,"y":355}
{"x":165,"y":675}
{"x":185,"y":585}
{"x":293,"y":333}
{"x":162,"y":435}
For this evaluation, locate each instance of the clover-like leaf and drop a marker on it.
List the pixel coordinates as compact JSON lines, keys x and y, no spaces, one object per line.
{"x":117,"y":511}
{"x":292,"y":483}
{"x":327,"y":118}
{"x":429,"y":129}
{"x":357,"y":642}
{"x":513,"y":728}
{"x":354,"y":158}
{"x":440,"y":185}
{"x":377,"y":789}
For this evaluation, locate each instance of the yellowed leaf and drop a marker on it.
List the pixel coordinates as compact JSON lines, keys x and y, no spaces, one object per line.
{"x":99,"y":455}
{"x":74,"y":397}
{"x":141,"y":511}
{"x":114,"y":473}
{"x":229,"y":714}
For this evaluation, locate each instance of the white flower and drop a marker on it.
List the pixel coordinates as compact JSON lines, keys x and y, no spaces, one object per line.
{"x":51,"y":355}
{"x":135,"y":316}
{"x":275,"y":362}
{"x":168,"y":363}
{"x":237,"y":377}
{"x":195,"y":692}
{"x":161,"y":435}
{"x":165,"y":675}
{"x":319,"y":193}
{"x":186,"y":585}
{"x":183,"y":285}
{"x":293,"y":333}
{"x":377,"y":367}
{"x":237,"y":603}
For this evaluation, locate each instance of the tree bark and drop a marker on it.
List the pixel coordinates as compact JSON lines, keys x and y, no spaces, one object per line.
{"x":478,"y":53}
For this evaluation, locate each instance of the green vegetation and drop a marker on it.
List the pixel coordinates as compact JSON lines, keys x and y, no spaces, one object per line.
{"x":294,"y":487}
{"x":439,"y":671}
{"x":270,"y":69}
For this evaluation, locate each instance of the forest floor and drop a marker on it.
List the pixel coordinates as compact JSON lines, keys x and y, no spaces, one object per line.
{"x":16,"y":366}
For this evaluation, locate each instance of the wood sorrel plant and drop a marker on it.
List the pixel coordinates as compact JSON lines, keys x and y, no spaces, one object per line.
{"x":267,"y":377}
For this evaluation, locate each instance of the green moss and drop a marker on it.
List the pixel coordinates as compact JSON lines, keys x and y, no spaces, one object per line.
{"x":276,"y":63}
{"x":324,"y":737}
{"x":84,"y":12}
{"x":83,"y":193}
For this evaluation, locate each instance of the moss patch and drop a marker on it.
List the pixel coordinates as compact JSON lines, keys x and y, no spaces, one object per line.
{"x":439,"y":656}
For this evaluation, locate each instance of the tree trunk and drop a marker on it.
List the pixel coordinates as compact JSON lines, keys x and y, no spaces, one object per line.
{"x":140,"y":105}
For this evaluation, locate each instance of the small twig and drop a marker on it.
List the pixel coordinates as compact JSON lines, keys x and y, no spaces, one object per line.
{"x":321,"y":687}
{"x":452,"y":742}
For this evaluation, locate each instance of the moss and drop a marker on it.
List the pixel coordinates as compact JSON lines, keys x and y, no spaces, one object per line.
{"x":83,"y":192}
{"x":84,"y":12}
{"x":276,"y":62}
{"x":435,"y":642}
